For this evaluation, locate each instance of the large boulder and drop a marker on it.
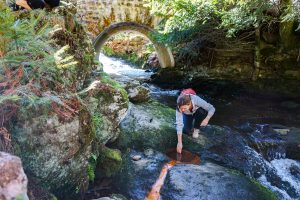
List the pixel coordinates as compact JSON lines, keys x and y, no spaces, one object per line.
{"x":54,"y":151}
{"x":211,"y":181}
{"x":57,"y":151}
{"x":107,"y":102}
{"x":152,"y":125}
{"x":148,"y":125}
{"x":184,"y":181}
{"x":13,"y":180}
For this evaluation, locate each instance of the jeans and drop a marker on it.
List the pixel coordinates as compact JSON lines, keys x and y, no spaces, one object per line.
{"x":193,"y":121}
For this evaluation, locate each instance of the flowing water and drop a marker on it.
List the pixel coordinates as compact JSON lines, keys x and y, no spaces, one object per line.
{"x":251,"y":122}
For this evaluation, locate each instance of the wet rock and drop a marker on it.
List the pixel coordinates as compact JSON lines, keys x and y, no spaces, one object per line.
{"x":108,"y":163}
{"x":148,"y":152}
{"x":293,"y":144}
{"x":152,"y":63}
{"x":138,"y":94}
{"x":13,"y":181}
{"x":295,"y":171}
{"x":169,"y":77}
{"x":137,"y":177}
{"x":210,"y":181}
{"x":246,"y":127}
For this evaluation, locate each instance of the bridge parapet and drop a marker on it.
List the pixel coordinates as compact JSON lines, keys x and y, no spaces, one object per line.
{"x":98,"y":14}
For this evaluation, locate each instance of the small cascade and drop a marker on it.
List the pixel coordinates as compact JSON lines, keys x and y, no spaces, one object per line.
{"x":270,"y":165}
{"x":118,"y":67}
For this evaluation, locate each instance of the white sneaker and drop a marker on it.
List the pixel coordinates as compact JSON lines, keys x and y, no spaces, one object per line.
{"x":196,"y":133}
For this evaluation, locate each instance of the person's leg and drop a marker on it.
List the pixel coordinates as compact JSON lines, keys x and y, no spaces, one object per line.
{"x":187,"y":123}
{"x":198,"y":116}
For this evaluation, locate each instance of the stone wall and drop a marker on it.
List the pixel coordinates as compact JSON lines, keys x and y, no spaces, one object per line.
{"x":98,"y":14}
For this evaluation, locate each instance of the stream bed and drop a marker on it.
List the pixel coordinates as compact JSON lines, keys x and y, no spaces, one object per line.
{"x":256,"y":145}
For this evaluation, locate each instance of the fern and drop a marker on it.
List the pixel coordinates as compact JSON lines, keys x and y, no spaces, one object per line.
{"x":33,"y":69}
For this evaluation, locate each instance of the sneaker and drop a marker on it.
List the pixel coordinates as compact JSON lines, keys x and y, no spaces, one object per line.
{"x":196,"y":133}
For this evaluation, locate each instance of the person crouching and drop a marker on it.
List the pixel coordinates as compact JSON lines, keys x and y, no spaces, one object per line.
{"x":192,"y":112}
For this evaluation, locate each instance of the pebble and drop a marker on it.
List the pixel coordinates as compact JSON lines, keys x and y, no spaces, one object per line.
{"x":136,"y":157}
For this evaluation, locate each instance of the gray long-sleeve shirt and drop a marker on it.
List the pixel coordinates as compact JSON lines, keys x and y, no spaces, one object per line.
{"x":197,"y":102}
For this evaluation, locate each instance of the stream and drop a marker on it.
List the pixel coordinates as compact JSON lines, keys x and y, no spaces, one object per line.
{"x":255,"y":144}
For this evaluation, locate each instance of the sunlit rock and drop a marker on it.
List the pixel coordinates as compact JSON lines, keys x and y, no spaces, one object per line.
{"x":13,"y":181}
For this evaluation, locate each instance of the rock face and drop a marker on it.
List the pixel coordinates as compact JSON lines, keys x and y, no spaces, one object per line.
{"x":13,"y":181}
{"x":56,"y":152}
{"x":148,"y":126}
{"x":210,"y":181}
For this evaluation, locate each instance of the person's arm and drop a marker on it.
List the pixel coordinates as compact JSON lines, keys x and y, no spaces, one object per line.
{"x":24,"y":4}
{"x":179,"y":127}
{"x":206,"y":106}
{"x":179,"y":143}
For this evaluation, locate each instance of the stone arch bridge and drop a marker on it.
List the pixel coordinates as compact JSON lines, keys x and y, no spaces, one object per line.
{"x":105,"y":18}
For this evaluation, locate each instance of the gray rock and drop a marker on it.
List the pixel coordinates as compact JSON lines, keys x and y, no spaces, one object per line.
{"x":149,"y":125}
{"x":210,"y":181}
{"x":56,"y":152}
{"x":136,"y":177}
{"x":13,"y":180}
{"x":138,"y":94}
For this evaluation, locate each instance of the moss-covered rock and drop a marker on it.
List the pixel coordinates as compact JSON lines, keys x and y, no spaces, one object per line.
{"x":138,"y":93}
{"x":148,"y":125}
{"x":151,"y":125}
{"x":55,"y":151}
{"x":108,"y":102}
{"x":109,"y":162}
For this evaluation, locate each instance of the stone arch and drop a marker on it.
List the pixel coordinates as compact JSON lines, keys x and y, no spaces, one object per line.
{"x":164,"y":54}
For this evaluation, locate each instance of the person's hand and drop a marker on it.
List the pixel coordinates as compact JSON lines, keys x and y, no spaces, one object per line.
{"x":204,"y":122}
{"x":179,"y":147}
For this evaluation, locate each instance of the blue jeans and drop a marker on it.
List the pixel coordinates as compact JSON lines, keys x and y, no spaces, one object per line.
{"x":193,"y":121}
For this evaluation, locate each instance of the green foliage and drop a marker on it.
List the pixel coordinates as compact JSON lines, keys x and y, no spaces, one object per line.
{"x":91,"y":172}
{"x":231,"y":15}
{"x":183,"y":14}
{"x":33,"y":68}
{"x":91,"y":167}
{"x":97,"y":119}
{"x":53,"y":197}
